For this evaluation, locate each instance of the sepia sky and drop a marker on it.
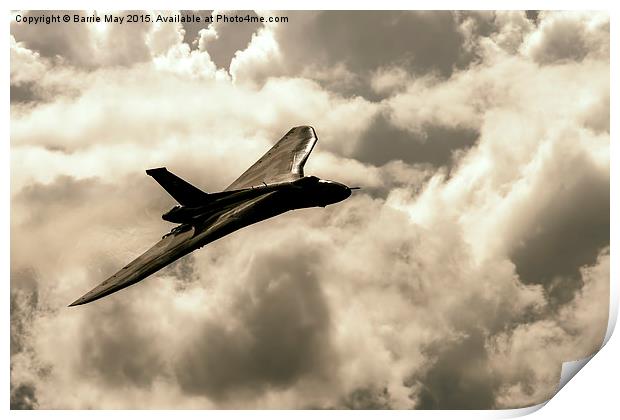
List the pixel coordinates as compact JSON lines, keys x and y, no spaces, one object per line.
{"x":473,"y":261}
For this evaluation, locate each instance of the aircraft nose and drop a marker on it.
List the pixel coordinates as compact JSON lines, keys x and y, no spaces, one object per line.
{"x":342,"y":192}
{"x":334,"y":192}
{"x":346,"y":192}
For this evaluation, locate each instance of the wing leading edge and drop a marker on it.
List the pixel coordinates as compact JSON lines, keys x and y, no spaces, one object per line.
{"x":283,"y":162}
{"x":158,"y":256}
{"x":174,"y":246}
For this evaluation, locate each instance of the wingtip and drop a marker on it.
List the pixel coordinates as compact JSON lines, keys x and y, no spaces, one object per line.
{"x":304,"y":127}
{"x":79,"y":301}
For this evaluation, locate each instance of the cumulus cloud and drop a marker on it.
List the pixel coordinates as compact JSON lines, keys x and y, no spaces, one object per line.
{"x":342,"y":49}
{"x":84,"y":44}
{"x":569,"y":36}
{"x":528,"y":358}
{"x":473,"y":262}
{"x":223,"y":40}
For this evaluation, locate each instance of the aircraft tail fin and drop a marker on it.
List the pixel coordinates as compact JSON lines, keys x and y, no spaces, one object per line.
{"x":182,"y":191}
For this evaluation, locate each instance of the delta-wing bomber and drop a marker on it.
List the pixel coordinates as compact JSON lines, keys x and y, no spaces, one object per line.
{"x":273,"y":185}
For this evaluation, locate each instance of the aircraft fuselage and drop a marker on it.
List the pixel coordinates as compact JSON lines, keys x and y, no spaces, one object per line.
{"x":303,"y":193}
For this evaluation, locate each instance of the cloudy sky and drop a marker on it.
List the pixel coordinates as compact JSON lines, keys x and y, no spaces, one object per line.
{"x":473,"y":262}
